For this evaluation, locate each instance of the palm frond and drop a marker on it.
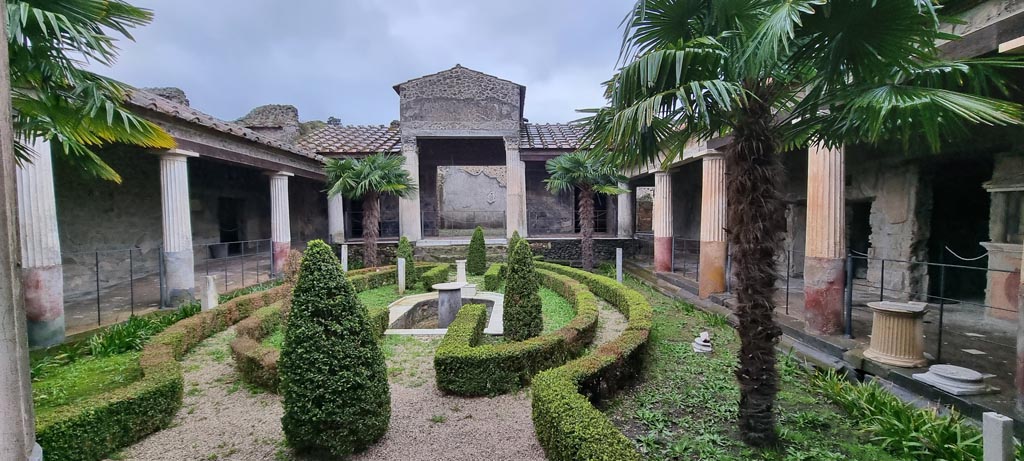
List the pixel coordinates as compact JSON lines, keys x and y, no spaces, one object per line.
{"x":382,"y":173}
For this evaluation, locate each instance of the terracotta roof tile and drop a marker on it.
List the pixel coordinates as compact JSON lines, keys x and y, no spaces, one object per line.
{"x":147,"y":100}
{"x":361,"y":139}
{"x":551,"y":135}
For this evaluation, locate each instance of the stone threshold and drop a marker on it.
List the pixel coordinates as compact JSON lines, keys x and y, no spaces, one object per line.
{"x":838,"y":353}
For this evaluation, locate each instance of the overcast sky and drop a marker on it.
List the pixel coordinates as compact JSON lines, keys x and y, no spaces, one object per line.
{"x":341,"y":57}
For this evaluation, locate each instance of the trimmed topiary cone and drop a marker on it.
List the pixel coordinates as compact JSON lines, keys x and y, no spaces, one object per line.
{"x":407,"y":251}
{"x":476,"y":260}
{"x":522,"y":319}
{"x":333,"y":376}
{"x":512,"y":244}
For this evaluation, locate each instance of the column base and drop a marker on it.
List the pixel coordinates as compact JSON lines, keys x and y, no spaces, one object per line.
{"x":281,"y":250}
{"x":663,"y":254}
{"x":823,"y":294}
{"x":44,"y":304}
{"x":712,"y":275}
{"x":179,"y":269}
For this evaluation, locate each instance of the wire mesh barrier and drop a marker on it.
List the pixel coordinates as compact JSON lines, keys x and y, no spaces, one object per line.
{"x":103,"y":287}
{"x":560,"y":222}
{"x":645,"y":247}
{"x":388,"y":225}
{"x":686,"y":257}
{"x":462,"y":223}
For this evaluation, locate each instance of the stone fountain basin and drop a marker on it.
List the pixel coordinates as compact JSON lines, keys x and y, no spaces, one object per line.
{"x":407,"y":311}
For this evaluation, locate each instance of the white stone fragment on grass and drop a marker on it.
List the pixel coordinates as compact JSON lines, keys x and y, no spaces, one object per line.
{"x":401,"y":276}
{"x":344,"y":258}
{"x":618,"y":264}
{"x":702,"y":344}
{"x":955,"y":380}
{"x":210,"y":298}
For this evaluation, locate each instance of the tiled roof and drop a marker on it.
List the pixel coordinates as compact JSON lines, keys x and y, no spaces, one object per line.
{"x":358,"y":139}
{"x":147,"y":100}
{"x":551,"y":135}
{"x":353,"y":139}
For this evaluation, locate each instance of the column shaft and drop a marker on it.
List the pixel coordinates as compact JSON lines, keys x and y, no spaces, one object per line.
{"x":42,"y":272}
{"x":662,"y":221}
{"x":713,"y":212}
{"x":409,"y":208}
{"x":280,"y":220}
{"x":179,"y":262}
{"x":624,"y":210}
{"x":824,"y":271}
{"x":336,"y":218}
{"x":1019,"y":375}
{"x":515,"y":199}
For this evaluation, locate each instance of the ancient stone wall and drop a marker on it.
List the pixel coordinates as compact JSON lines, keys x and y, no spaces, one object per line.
{"x":278,"y":120}
{"x":546,"y":213}
{"x":460,"y":99}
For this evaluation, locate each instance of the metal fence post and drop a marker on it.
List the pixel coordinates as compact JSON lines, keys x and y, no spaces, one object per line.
{"x":881,"y":282}
{"x":942,"y":305}
{"x":243,"y":265}
{"x":131,"y":282}
{"x":849,"y":295}
{"x":161,"y":281}
{"x":789,"y":258}
{"x":96,"y":257}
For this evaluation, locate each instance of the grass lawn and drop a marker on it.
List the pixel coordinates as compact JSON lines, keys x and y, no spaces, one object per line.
{"x":686,"y":408}
{"x":556,"y":310}
{"x":385,"y":295}
{"x":84,"y":378}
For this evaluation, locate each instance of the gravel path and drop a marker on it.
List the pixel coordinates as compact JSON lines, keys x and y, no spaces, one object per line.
{"x":610,"y":324}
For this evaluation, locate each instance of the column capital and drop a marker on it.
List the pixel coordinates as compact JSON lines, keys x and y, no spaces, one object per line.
{"x":279,"y":174}
{"x":712,"y":154}
{"x":171,"y":153}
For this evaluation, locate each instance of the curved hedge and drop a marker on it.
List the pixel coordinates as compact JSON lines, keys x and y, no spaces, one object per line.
{"x":568,"y":426}
{"x":466,"y":368}
{"x":493,"y":277}
{"x":93,"y":428}
{"x":257,"y":364}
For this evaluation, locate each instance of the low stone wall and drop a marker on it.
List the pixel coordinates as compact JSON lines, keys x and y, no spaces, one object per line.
{"x":568,"y":250}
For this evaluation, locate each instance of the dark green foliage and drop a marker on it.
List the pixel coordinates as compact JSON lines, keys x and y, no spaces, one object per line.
{"x":494,"y":276}
{"x":436,"y":274}
{"x":407,"y":251}
{"x":522,"y":318}
{"x":133,"y":334}
{"x":465,"y":367}
{"x":476,"y":259}
{"x":512,"y":241}
{"x":333,"y":376}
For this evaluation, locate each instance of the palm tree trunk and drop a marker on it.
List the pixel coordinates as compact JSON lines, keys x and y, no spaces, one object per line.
{"x":756,"y":224}
{"x":371,"y":229}
{"x":586,"y":198}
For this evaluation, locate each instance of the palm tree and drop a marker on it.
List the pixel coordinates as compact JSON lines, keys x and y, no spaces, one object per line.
{"x":588,"y":174}
{"x":367,"y":179}
{"x":53,"y":98}
{"x":777,"y":76}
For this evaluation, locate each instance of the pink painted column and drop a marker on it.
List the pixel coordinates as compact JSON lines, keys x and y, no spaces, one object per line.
{"x":42,"y":273}
{"x":826,"y":240}
{"x":662,"y":221}
{"x":713,"y":214}
{"x":179,"y":260}
{"x":280,"y":220}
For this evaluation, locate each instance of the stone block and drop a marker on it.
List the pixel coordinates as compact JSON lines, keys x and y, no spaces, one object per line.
{"x":210,"y":297}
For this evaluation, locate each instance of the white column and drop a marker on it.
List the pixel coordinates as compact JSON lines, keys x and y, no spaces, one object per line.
{"x":515,"y":190}
{"x":41,"y":270}
{"x":179,"y":264}
{"x":624,"y":211}
{"x":662,"y":221}
{"x":409,"y":208}
{"x":824,"y":266}
{"x":336,"y":218}
{"x":713,"y":212}
{"x":280,"y":220}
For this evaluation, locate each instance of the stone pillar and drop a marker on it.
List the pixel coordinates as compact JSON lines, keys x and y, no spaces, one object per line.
{"x":409,"y":208}
{"x":460,"y":271}
{"x":713,"y":212}
{"x":280,"y":220}
{"x":662,"y":221}
{"x":997,"y":437}
{"x":336,"y":218}
{"x":41,"y":271}
{"x":1019,"y":375}
{"x":401,"y":276}
{"x":17,"y":418}
{"x":344,"y":258}
{"x":210,"y":297}
{"x":179,"y":264}
{"x":515,"y":190}
{"x":824,"y":265}
{"x":624,"y":212}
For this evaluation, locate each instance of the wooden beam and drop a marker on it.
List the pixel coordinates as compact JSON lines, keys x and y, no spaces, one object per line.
{"x":986,"y":40}
{"x":1015,"y":46}
{"x":225,"y":155}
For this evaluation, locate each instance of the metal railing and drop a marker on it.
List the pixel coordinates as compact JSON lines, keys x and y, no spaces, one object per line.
{"x":462,"y":223}
{"x":234,"y":264}
{"x":563,"y":222}
{"x":388,"y":226}
{"x":686,"y":257}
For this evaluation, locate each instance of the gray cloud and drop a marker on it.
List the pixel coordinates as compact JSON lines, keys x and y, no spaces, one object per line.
{"x":341,"y":58}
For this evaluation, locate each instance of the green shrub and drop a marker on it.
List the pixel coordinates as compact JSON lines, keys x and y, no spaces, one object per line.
{"x":522,"y":319}
{"x":464,"y":367}
{"x":333,"y":376}
{"x":476,"y":258}
{"x":512,"y":241}
{"x":436,"y":274}
{"x":407,"y":251}
{"x":493,"y":277}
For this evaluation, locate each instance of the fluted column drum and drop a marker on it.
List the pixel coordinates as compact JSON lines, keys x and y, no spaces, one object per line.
{"x":897,"y":334}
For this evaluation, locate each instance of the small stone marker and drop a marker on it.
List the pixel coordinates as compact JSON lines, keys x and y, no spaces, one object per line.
{"x":401,"y":276}
{"x":210,"y":298}
{"x":344,"y":258}
{"x":997,"y":435}
{"x":702,"y":344}
{"x":955,"y":380}
{"x":460,"y":270}
{"x":618,"y":264}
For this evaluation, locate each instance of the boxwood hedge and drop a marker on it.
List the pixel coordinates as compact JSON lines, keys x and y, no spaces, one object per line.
{"x":567,"y":424}
{"x":94,"y":428}
{"x":493,"y":277}
{"x":464,"y":367}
